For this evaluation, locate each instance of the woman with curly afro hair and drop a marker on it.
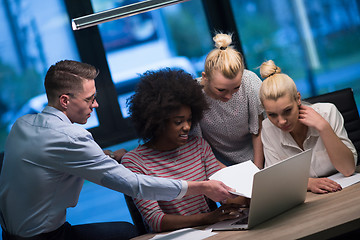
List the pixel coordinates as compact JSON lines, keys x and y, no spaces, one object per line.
{"x":160,"y":93}
{"x":165,"y":105}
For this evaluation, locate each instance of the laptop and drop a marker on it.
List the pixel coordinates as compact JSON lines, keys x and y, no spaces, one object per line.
{"x":275,"y":190}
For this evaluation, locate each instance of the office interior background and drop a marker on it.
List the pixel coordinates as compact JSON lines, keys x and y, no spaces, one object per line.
{"x":316,"y":42}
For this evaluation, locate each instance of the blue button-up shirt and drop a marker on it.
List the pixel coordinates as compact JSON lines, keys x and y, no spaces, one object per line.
{"x":46,"y":161}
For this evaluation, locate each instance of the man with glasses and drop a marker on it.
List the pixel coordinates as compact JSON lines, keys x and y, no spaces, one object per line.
{"x":47,"y":158}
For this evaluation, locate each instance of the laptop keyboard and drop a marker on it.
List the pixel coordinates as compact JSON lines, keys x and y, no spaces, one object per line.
{"x":243,"y":220}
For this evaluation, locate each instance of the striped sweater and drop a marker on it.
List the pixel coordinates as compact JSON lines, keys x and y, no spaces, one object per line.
{"x":194,"y":161}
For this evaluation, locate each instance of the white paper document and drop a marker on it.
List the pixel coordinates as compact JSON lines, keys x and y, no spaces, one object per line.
{"x":239,"y":177}
{"x":185,"y":234}
{"x":345,"y":181}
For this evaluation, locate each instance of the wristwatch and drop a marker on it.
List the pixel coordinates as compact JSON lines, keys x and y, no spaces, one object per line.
{"x":111,"y":154}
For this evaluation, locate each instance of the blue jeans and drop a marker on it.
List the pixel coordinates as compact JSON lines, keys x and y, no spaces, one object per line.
{"x":91,"y":231}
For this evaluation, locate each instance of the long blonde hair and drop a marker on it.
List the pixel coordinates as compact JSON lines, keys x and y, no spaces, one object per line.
{"x":224,"y":58}
{"x":275,"y":84}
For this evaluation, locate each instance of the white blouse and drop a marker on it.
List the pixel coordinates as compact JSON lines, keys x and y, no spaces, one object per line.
{"x":279,"y":145}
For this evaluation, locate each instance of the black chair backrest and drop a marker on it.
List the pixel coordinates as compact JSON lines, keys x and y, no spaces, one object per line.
{"x":142,"y":227}
{"x":345,"y":103}
{"x":1,"y":160}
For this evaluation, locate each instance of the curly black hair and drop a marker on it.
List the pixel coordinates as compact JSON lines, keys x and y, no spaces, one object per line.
{"x":158,"y":94}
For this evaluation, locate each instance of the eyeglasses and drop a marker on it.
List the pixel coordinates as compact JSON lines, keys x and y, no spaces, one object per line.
{"x":89,"y":100}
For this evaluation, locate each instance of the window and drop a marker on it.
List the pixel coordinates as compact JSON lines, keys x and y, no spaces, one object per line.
{"x":314,"y":42}
{"x":176,"y":36}
{"x":32,"y":39}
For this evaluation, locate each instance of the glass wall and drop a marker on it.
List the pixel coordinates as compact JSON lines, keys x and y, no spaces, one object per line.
{"x":314,"y":42}
{"x":176,"y":36}
{"x":31,"y":39}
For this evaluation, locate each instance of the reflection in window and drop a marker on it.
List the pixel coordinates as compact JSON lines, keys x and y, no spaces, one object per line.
{"x":314,"y":41}
{"x":176,"y":36}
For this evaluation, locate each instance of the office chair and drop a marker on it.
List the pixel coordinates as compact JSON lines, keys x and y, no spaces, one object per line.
{"x":142,"y":227}
{"x":1,"y":160}
{"x":345,"y":103}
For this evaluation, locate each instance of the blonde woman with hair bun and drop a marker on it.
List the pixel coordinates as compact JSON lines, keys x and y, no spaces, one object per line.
{"x":276,"y":85}
{"x":232,"y":124}
{"x":293,"y":126}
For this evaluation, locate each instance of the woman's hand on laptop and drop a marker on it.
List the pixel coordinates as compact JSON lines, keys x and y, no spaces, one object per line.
{"x":323,"y":185}
{"x":225,"y":212}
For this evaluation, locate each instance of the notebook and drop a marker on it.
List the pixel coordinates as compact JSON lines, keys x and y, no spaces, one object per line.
{"x":275,"y":190}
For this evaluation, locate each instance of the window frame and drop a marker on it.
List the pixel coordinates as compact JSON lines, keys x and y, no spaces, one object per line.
{"x":113,"y":128}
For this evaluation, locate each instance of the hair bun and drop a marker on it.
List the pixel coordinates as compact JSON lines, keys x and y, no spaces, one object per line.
{"x":268,"y":68}
{"x":222,"y":41}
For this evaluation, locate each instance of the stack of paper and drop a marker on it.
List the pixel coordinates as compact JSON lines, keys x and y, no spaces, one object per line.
{"x":185,"y":234}
{"x":345,"y":181}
